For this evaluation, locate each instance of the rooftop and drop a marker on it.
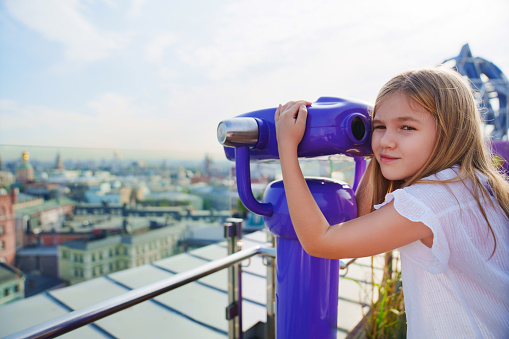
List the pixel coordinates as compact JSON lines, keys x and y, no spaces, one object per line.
{"x":195,"y":310}
{"x":8,"y":272}
{"x":47,"y":205}
{"x":38,"y":251}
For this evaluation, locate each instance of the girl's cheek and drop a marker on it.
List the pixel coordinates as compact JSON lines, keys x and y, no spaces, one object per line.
{"x":374,"y":140}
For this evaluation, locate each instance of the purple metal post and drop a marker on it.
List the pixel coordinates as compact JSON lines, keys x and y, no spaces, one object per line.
{"x":306,"y":286}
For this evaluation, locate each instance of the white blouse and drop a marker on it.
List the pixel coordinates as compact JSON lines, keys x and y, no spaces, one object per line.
{"x":454,"y":289}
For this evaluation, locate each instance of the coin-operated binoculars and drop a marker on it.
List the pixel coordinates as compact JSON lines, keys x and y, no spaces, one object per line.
{"x":306,"y":286}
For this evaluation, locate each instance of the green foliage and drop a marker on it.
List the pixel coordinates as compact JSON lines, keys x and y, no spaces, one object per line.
{"x":386,"y":317}
{"x":240,"y":207}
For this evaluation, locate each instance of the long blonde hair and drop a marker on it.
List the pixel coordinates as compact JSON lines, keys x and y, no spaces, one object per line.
{"x":450,"y":99}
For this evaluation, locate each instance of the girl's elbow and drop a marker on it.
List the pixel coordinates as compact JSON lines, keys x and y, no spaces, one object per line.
{"x":321,"y":251}
{"x":312,"y":251}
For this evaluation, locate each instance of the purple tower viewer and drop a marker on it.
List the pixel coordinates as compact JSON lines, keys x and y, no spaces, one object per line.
{"x":306,"y":286}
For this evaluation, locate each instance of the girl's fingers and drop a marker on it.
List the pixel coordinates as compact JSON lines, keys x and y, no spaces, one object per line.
{"x":291,"y":109}
{"x":287,"y":106}
{"x":301,"y":115}
{"x":278,"y":112}
{"x":303,"y":112}
{"x":296,"y":105}
{"x":300,"y":106}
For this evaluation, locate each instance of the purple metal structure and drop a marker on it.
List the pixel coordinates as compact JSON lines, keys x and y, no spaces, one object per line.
{"x":501,"y":149}
{"x":306,"y":286}
{"x":492,"y":85}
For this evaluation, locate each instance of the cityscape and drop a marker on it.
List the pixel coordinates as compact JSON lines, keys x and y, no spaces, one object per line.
{"x":63,"y":221}
{"x":63,"y":224}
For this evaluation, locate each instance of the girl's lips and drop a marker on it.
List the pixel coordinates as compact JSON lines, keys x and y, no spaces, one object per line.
{"x":387,"y":158}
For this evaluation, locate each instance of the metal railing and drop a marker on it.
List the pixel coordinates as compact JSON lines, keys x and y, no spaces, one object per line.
{"x":233,"y":235}
{"x":87,"y":315}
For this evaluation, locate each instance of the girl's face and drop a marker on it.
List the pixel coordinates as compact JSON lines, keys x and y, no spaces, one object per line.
{"x":404,"y":135}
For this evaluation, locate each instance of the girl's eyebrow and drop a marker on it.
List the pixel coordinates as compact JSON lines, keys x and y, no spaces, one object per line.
{"x":399,"y":119}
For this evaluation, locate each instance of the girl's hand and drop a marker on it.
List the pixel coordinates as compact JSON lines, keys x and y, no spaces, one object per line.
{"x":290,"y":122}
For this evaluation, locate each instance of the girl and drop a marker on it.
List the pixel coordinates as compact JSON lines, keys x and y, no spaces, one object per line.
{"x":436,"y":196}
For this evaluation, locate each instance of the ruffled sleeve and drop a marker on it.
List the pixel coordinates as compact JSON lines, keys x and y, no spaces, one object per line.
{"x":433,"y":259}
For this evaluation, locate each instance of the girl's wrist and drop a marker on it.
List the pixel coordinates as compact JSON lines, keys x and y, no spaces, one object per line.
{"x":287,"y":149}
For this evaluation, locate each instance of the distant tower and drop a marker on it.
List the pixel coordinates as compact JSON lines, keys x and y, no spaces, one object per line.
{"x":58,"y":163}
{"x":116,"y":155}
{"x":207,"y":165}
{"x":25,"y":172}
{"x":164,"y":165}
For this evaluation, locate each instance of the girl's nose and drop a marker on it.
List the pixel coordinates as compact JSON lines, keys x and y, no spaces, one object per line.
{"x":387,"y":140}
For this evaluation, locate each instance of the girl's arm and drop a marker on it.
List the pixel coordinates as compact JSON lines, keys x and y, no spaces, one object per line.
{"x":370,"y":234}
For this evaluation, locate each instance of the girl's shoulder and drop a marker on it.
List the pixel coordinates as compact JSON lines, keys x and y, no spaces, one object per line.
{"x":439,"y":191}
{"x":446,"y":180}
{"x":450,"y":174}
{"x":453,"y":181}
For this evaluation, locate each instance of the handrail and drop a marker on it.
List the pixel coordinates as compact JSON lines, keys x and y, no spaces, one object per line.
{"x":87,"y":315}
{"x":233,"y":235}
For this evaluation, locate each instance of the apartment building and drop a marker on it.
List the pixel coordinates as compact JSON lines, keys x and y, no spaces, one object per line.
{"x":82,"y":260}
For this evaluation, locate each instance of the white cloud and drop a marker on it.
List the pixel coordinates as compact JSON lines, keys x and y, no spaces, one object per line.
{"x":63,"y":22}
{"x":253,"y":34}
{"x":257,"y":35}
{"x":136,"y":8}
{"x":158,"y":43}
{"x":112,"y":106}
{"x":22,"y":124}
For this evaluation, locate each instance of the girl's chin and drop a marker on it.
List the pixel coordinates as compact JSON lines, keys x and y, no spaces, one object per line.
{"x":392,"y":176}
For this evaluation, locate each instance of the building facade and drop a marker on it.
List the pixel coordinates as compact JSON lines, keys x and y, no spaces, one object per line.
{"x":34,"y":219}
{"x":7,"y":228}
{"x":12,"y":284}
{"x":83,"y":260}
{"x":41,"y":260}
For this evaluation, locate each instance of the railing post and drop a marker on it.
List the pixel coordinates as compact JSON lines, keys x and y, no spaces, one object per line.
{"x":270,"y":325}
{"x":233,"y":235}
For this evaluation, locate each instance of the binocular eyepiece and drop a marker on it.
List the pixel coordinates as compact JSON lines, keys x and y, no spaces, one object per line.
{"x":334,"y":126}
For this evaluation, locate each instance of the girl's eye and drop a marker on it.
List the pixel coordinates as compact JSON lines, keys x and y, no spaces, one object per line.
{"x":378,"y":127}
{"x":408,"y":128}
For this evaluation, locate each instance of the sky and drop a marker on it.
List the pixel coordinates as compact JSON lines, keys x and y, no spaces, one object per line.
{"x":159,"y":75}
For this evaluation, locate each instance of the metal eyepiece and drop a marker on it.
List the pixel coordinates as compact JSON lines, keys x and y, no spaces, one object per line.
{"x":237,"y":132}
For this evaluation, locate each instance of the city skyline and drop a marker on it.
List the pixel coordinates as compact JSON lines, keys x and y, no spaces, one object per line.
{"x":48,"y":154}
{"x":158,"y":76}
